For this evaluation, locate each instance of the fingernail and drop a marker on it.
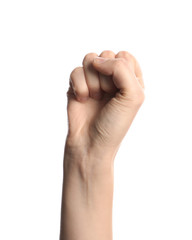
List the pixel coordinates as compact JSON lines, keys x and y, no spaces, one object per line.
{"x":99,"y":60}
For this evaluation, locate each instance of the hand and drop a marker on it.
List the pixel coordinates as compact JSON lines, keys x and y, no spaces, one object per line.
{"x":103,"y":99}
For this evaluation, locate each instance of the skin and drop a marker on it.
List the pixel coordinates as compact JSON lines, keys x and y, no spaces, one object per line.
{"x":103,"y":99}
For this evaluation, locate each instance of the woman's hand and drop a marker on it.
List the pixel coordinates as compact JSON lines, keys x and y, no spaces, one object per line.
{"x":103,"y":99}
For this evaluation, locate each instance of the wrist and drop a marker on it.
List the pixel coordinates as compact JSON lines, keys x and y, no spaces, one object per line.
{"x":87,"y":160}
{"x":82,"y":146}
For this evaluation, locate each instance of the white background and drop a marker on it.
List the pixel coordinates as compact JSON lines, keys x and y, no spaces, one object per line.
{"x":40,"y":44}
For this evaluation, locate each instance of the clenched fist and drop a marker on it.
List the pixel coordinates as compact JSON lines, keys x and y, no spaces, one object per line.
{"x":103,"y":98}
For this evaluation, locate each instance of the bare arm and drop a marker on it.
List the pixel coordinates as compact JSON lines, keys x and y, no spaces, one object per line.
{"x":87,"y":197}
{"x":97,"y":126}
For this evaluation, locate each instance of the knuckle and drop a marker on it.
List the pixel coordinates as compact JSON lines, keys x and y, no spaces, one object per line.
{"x":138,"y":97}
{"x":107,"y":53}
{"x":129,"y":58}
{"x":88,"y":58}
{"x":125,"y":54}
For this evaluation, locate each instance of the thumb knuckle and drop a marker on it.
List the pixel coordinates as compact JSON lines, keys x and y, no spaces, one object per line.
{"x":138,"y":97}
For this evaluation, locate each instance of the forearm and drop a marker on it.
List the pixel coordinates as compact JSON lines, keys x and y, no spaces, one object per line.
{"x":87,"y":197}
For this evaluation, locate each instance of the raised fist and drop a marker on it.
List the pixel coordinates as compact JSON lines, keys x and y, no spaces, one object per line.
{"x":103,"y":99}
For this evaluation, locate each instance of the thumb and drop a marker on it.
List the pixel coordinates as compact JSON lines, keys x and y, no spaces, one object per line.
{"x":122,"y":74}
